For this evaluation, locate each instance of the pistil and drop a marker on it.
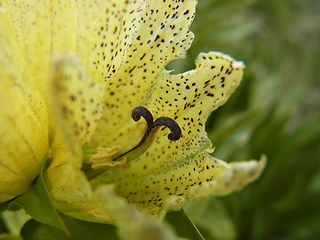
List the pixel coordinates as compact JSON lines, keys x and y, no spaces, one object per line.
{"x":105,"y":158}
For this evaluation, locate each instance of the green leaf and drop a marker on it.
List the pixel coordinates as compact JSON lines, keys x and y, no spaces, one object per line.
{"x":183,"y":225}
{"x":79,"y":230}
{"x":37,"y":203}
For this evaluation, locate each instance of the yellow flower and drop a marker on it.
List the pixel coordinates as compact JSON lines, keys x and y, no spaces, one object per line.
{"x":95,"y":63}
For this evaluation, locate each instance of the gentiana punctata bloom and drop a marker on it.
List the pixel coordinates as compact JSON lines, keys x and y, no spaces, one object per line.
{"x":87,"y":83}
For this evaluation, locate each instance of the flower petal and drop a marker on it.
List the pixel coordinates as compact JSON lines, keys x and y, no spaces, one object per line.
{"x":75,"y":105}
{"x":75,"y":99}
{"x":162,"y":35}
{"x":234,"y":178}
{"x":23,"y":119}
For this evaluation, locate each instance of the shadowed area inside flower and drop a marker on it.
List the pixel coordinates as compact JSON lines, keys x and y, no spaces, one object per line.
{"x":107,"y":71}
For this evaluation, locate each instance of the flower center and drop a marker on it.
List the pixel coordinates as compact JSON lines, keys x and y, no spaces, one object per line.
{"x":112,"y":157}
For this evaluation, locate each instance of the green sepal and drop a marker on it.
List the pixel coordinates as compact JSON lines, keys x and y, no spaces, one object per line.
{"x":183,"y":225}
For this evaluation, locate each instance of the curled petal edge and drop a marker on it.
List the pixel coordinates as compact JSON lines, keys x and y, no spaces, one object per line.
{"x":234,"y":179}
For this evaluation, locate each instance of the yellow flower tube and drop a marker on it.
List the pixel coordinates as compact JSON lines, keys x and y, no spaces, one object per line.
{"x":114,"y":109}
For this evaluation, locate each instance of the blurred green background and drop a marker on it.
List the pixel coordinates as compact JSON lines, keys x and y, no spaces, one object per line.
{"x":275,"y":112}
